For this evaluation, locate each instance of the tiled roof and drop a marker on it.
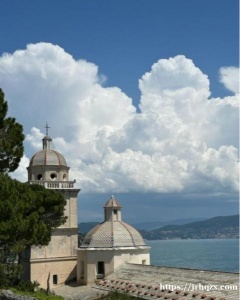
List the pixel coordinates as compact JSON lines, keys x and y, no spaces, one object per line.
{"x":48,"y":157}
{"x":111,"y":234}
{"x":156,"y":282}
{"x":148,"y":291}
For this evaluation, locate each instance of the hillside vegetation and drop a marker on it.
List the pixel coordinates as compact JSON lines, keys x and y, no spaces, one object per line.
{"x":217,"y":227}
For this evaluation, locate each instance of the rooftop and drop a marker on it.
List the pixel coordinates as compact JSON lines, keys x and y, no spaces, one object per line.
{"x":112,"y":202}
{"x":153,"y":282}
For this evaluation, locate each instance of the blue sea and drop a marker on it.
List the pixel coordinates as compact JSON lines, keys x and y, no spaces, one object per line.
{"x":212,"y":254}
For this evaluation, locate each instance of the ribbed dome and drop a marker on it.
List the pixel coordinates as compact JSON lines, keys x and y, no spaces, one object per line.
{"x":48,"y":157}
{"x":112,"y":202}
{"x":113,"y":234}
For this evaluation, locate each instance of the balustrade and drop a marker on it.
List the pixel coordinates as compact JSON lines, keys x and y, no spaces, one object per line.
{"x":54,"y":184}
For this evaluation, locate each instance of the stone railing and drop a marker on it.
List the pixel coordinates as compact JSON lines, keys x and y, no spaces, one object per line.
{"x":54,"y":184}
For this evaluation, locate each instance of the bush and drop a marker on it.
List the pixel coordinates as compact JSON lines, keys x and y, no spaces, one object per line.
{"x":119,"y":296}
{"x":9,"y":274}
{"x":40,"y":294}
{"x":27,"y":286}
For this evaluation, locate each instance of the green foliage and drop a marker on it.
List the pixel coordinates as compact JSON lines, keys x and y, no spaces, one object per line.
{"x":9,"y":270}
{"x":9,"y":274}
{"x":50,"y":205}
{"x":43,"y":296}
{"x":28,"y":212}
{"x":39,"y":294}
{"x":27,"y":286}
{"x":11,"y":139}
{"x":28,"y":215}
{"x":119,"y":296}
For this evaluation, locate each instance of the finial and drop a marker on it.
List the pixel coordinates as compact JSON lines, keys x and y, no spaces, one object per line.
{"x":47,"y":127}
{"x":112,"y":197}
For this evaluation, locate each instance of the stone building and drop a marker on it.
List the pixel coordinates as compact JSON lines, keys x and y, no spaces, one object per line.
{"x":104,"y":249}
{"x":109,"y":245}
{"x":112,"y":249}
{"x":56,"y":263}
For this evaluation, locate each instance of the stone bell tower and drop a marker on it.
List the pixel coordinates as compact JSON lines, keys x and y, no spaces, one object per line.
{"x":56,"y":263}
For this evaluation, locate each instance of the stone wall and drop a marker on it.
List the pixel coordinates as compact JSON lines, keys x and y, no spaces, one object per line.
{"x":9,"y":295}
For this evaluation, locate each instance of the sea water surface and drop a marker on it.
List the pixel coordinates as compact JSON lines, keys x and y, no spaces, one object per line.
{"x":212,"y":254}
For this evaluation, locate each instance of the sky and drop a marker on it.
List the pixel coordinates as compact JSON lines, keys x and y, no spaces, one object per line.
{"x":141,"y":98}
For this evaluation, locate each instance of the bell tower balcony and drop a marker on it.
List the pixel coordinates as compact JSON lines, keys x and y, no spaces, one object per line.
{"x":54,"y":184}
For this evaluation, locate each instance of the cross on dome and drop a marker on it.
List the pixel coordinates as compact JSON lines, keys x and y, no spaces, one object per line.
{"x":47,"y":127}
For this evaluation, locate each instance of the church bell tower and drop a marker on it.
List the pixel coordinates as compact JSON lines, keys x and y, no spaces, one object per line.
{"x":56,"y":263}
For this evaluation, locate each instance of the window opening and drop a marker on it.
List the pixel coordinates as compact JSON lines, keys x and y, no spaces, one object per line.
{"x":53,"y":176}
{"x":100,"y":268}
{"x":55,"y":279}
{"x":39,"y":177}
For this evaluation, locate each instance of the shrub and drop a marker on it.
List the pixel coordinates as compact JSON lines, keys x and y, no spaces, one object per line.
{"x":27,"y":286}
{"x":9,"y":274}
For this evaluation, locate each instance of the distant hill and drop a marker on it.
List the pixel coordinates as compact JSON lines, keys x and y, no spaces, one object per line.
{"x":217,"y":227}
{"x":87,"y":226}
{"x":156,"y":225}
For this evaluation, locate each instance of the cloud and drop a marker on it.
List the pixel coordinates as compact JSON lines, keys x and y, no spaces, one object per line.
{"x":229,"y":76}
{"x":46,"y":81}
{"x":181,"y":141}
{"x":172,"y":75}
{"x":35,"y":138}
{"x":21,"y":172}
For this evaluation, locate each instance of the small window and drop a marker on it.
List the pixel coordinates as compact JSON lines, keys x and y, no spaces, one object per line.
{"x":39,"y":177}
{"x":100,"y":267}
{"x":64,"y":177}
{"x":144,"y":262}
{"x":55,"y":279}
{"x":53,"y":176}
{"x":115,"y":211}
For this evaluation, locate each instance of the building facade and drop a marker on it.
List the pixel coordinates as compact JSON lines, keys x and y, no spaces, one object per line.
{"x":56,"y":263}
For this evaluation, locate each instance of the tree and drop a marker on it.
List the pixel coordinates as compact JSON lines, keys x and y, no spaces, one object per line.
{"x":11,"y":139}
{"x":28,"y":215}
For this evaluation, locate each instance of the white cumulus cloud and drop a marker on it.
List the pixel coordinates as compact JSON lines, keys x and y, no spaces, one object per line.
{"x":229,"y":76}
{"x":44,"y":82}
{"x":182,"y":139}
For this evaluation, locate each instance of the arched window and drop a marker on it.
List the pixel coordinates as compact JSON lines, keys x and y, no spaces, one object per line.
{"x":39,"y":177}
{"x":53,"y":176}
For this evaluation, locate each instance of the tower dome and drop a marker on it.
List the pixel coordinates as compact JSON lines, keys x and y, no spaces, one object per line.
{"x":113,"y":232}
{"x":47,"y":164}
{"x":47,"y":156}
{"x":109,"y":245}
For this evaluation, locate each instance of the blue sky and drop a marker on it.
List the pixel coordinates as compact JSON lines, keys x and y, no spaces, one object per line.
{"x":124,"y":38}
{"x":120,"y":41}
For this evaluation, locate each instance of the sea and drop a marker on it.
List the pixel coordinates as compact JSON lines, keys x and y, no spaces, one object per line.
{"x":209,"y":254}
